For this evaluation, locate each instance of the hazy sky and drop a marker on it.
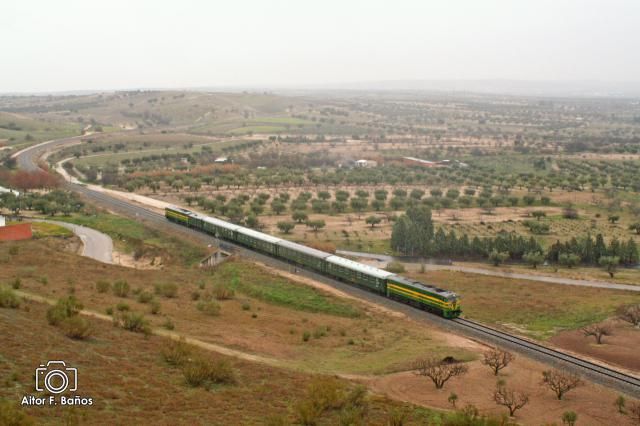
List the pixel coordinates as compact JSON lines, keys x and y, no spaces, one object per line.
{"x":89,"y":44}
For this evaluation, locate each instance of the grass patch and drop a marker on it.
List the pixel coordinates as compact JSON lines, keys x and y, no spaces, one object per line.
{"x":43,"y":230}
{"x":8,"y":298}
{"x":252,"y":281}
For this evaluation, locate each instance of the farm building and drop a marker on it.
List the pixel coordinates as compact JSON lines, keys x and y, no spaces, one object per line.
{"x":365,"y":163}
{"x":4,"y":190}
{"x":413,"y":161}
{"x":18,"y":232}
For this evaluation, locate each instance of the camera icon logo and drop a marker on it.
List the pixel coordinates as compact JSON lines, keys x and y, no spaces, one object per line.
{"x":56,"y":377}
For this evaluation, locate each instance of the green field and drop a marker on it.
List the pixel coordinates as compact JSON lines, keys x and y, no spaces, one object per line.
{"x":116,"y":158}
{"x":20,"y":131}
{"x":269,"y":288}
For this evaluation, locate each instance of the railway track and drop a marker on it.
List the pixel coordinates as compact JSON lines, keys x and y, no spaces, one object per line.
{"x":607,"y":376}
{"x":563,"y":357}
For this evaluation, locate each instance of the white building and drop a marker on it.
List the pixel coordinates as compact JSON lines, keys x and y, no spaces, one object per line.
{"x":365,"y":163}
{"x":4,"y":190}
{"x":2,"y":221}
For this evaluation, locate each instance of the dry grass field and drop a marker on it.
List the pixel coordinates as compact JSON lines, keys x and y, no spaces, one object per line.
{"x":130,"y":382}
{"x":126,"y":374}
{"x":268,"y":315}
{"x":537,"y":309}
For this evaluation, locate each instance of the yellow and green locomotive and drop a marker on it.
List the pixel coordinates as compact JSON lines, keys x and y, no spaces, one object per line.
{"x":430,"y":298}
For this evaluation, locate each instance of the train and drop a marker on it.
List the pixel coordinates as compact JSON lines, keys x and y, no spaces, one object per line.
{"x":423,"y":296}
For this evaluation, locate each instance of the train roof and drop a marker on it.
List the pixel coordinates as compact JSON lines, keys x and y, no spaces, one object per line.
{"x":181,"y":210}
{"x":304,"y":249}
{"x":357,"y":266}
{"x":425,"y":287}
{"x":258,"y":235}
{"x":221,"y":223}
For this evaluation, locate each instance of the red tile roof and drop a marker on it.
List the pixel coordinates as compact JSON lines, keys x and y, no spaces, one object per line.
{"x":21,"y":231}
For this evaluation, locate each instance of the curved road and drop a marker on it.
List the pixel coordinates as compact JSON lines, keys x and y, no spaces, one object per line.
{"x":97,"y":246}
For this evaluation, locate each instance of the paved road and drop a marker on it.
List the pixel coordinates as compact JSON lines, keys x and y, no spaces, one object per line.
{"x":97,"y":245}
{"x":514,"y":275}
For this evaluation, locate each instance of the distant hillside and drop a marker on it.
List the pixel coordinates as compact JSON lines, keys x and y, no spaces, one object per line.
{"x":506,"y":87}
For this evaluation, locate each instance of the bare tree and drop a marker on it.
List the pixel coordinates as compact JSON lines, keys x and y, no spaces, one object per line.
{"x":497,"y":359}
{"x":630,"y":314}
{"x":439,"y":372}
{"x":560,"y":382}
{"x":597,"y":331}
{"x":513,"y":400}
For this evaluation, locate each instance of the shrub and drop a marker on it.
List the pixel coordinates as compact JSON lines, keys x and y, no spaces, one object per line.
{"x":66,"y":307}
{"x":16,"y":283}
{"x":12,"y":414}
{"x":76,"y":327}
{"x":306,"y":336}
{"x":132,"y":321}
{"x":8,"y":298}
{"x":14,"y":250}
{"x":223,"y":292}
{"x":168,"y":290}
{"x":122,"y":307}
{"x":246,"y":306}
{"x":168,"y":324}
{"x":327,"y":392}
{"x":397,"y":417}
{"x":121,"y":288}
{"x":109,"y":310}
{"x":353,"y":416}
{"x":145,"y":297}
{"x":195,"y":295}
{"x":210,"y":307}
{"x":203,"y":372}
{"x":103,"y":286}
{"x":154,"y":307}
{"x":319,"y":332}
{"x":395,"y":267}
{"x":177,"y":353}
{"x":44,"y":280}
{"x":306,"y":412}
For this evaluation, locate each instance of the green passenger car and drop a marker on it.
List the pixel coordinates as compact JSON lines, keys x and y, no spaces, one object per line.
{"x":256,"y":240}
{"x":219,"y":228}
{"x":302,"y":255}
{"x":367,"y":276}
